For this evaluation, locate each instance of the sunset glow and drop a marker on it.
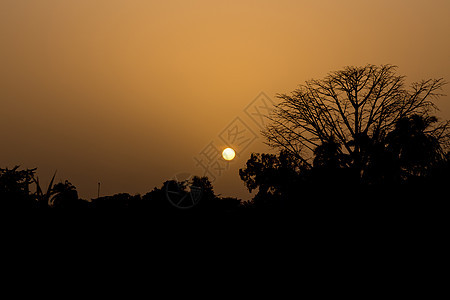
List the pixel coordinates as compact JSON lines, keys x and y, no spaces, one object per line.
{"x":128,"y":92}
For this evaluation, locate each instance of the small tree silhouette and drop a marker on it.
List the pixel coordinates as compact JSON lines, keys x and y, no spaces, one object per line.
{"x":274,"y":176}
{"x":65,"y":196}
{"x":15,"y":187}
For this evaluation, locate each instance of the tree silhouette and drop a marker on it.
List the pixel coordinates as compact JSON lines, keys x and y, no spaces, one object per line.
{"x":359,"y":135}
{"x":275,"y":176}
{"x":15,"y":187}
{"x":65,"y":196}
{"x":16,"y":191}
{"x":414,"y":146}
{"x":343,"y":118}
{"x":206,"y":186}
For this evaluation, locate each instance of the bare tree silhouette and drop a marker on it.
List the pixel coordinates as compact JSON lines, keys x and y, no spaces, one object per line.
{"x":351,"y":111}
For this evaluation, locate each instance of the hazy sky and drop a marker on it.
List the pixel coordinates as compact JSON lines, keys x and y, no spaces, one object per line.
{"x":129,"y":92}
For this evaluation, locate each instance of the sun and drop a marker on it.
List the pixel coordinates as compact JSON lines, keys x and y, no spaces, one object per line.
{"x":228,"y":154}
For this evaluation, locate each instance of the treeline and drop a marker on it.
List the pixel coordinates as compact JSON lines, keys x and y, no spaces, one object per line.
{"x":282,"y":185}
{"x":356,"y":141}
{"x":21,"y":189}
{"x":408,"y":169}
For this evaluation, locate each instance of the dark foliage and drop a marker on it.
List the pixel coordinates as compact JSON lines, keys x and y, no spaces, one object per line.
{"x":356,"y":142}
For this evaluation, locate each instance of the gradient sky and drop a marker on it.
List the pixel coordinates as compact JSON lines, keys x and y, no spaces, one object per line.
{"x":129,"y":92}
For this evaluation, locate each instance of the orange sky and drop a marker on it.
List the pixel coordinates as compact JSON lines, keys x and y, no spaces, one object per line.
{"x":129,"y":92}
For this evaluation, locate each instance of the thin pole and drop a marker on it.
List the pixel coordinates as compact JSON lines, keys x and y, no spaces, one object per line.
{"x":98,"y":190}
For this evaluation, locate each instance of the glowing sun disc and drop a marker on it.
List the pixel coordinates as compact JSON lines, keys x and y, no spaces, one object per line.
{"x":228,"y":154}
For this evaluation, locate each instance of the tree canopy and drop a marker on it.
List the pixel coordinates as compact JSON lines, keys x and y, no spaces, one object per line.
{"x":345,"y":117}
